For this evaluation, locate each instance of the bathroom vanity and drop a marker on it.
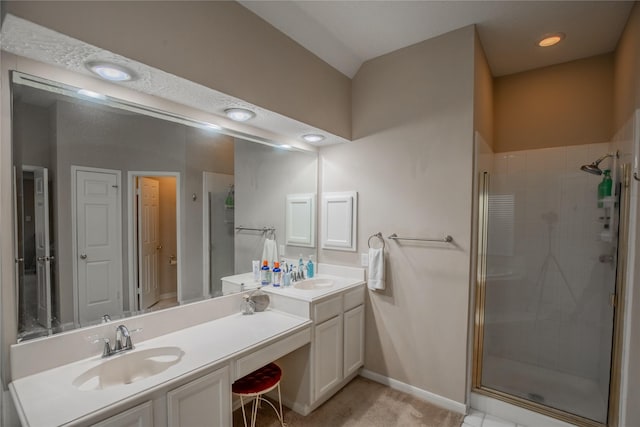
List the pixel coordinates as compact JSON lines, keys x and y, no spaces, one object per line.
{"x":186,"y":358}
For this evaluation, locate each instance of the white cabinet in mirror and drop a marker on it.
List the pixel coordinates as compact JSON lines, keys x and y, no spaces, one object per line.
{"x":123,"y":208}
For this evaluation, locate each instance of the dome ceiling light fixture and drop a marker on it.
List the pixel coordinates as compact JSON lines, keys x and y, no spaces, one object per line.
{"x":552,"y":39}
{"x":313,"y":137}
{"x":109,"y":71}
{"x":239,"y":114}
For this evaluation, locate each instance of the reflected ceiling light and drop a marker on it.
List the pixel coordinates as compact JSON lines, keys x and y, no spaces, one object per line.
{"x":111,"y":72}
{"x":285,"y":146}
{"x":313,"y":137}
{"x":551,"y":39}
{"x":239,"y":114}
{"x":212,"y":126}
{"x":91,"y":94}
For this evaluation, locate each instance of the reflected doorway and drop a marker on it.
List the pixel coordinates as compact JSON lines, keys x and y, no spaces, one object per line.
{"x":155,"y":236}
{"x":35,"y":250}
{"x":218,"y":230}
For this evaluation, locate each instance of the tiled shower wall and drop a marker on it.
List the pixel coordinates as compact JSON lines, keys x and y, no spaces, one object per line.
{"x":547,"y":291}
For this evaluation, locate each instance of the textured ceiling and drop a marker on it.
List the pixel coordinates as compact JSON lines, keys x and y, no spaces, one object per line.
{"x":347,"y":33}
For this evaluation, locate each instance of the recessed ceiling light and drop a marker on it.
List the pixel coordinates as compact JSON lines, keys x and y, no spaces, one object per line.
{"x":551,"y":39}
{"x":313,"y":137}
{"x":111,"y":72}
{"x":91,"y":94}
{"x":239,"y":114}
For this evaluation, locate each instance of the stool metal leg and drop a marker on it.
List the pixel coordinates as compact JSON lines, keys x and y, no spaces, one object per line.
{"x":244,"y":417}
{"x":254,"y":412}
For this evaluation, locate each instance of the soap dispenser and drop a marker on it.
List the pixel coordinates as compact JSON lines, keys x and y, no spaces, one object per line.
{"x":310,"y":269}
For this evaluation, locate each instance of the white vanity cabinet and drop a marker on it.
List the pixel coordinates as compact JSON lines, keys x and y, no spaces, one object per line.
{"x":204,"y":401}
{"x":338,"y":341}
{"x":138,"y":416}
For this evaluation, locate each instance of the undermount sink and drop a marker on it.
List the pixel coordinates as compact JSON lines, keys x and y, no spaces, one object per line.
{"x":128,"y":368}
{"x":313,"y":284}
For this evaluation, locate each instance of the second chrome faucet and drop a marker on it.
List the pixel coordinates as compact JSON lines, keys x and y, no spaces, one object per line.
{"x":122,"y":342}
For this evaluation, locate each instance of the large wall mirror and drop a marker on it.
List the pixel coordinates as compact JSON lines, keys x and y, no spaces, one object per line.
{"x":122,"y":208}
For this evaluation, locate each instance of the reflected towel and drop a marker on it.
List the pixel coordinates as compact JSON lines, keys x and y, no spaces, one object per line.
{"x":376,"y":269}
{"x":270,"y":251}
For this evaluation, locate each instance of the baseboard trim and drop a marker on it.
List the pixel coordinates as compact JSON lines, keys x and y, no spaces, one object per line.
{"x":433,"y":398}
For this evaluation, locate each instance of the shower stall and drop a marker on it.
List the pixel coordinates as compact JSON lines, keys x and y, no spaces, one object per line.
{"x":547,"y":280}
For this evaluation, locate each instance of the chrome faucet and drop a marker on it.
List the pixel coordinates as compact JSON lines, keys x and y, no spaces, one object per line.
{"x":122,"y":334}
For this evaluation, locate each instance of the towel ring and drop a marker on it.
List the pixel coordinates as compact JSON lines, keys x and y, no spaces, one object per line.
{"x":379,"y":236}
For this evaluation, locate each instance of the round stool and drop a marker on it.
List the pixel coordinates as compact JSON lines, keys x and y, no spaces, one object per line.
{"x":256,"y":384}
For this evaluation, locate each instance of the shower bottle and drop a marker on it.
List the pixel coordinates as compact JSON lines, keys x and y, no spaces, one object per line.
{"x":604,"y":188}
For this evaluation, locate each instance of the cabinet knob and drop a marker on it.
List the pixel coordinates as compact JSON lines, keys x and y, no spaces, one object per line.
{"x":83,"y":256}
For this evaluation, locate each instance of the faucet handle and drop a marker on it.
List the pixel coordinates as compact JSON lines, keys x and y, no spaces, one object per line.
{"x":106,"y":351}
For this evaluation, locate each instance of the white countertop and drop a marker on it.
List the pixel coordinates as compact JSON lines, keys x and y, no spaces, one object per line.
{"x":49,"y":397}
{"x":340,"y":284}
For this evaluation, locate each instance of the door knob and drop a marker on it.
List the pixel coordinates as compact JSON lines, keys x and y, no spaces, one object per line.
{"x":159,"y":247}
{"x":41,"y":259}
{"x":83,"y":256}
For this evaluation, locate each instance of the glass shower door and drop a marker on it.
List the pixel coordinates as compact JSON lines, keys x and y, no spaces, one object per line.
{"x":549,"y":272}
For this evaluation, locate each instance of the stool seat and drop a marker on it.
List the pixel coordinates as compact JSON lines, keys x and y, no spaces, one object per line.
{"x":258,"y":381}
{"x":255,"y":385}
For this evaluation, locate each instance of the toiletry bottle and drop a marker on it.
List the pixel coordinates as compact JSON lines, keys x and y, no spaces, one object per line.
{"x":300,"y":264}
{"x":310,"y":270}
{"x":247,"y":306}
{"x":604,"y":188}
{"x":256,"y":270}
{"x":286,"y":279}
{"x":265,"y":274}
{"x":277,"y":274}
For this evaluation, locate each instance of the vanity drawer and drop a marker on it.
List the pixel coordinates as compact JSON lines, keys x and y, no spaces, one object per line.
{"x":327,"y":309}
{"x":268,"y":354}
{"x":353,"y":298}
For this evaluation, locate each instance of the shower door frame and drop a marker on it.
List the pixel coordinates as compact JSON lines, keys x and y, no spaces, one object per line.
{"x":618,"y":316}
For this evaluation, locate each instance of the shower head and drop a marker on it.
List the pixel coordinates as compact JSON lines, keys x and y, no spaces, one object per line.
{"x":594,"y":167}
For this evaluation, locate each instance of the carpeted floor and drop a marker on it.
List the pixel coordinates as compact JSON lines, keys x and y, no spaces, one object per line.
{"x":362,"y":403}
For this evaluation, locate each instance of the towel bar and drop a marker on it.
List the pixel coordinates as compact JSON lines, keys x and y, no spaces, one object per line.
{"x":447,"y":238}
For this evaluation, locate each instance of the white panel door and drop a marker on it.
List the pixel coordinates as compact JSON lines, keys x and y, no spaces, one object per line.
{"x":327,"y":355}
{"x":148,"y":241}
{"x":202,"y":402}
{"x":43,"y":259}
{"x":353,"y":340}
{"x":138,"y":416}
{"x":98,"y":243}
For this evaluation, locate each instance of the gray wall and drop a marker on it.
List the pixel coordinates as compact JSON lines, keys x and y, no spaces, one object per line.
{"x":264,"y":177}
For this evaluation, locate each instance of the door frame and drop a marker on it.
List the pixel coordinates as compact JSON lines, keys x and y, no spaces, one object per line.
{"x":74,"y":233}
{"x":132,"y":231}
{"x":478,"y":312}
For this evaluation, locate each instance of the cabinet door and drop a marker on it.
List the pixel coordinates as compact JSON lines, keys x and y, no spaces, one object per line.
{"x":138,"y":416}
{"x":202,"y":402}
{"x":353,"y":340}
{"x":327,"y":355}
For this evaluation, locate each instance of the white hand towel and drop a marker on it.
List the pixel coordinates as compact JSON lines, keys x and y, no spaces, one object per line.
{"x":376,"y":269}
{"x":270,"y":251}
